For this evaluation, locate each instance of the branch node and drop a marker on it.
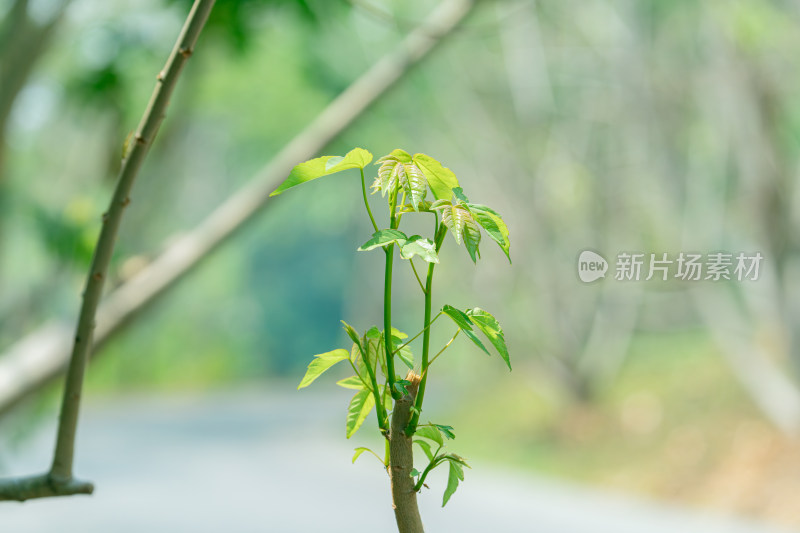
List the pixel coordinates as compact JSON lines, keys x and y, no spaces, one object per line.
{"x":125,"y":202}
{"x":185,"y":52}
{"x":97,"y":276}
{"x":140,"y":140}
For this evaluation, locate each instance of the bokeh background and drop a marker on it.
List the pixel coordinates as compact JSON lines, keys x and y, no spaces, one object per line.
{"x":652,"y":126}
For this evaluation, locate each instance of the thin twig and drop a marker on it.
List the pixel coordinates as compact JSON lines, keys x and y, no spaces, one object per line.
{"x":59,"y":480}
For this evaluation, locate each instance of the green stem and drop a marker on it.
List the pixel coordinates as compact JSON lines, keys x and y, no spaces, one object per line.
{"x":416,"y":275}
{"x":366,"y":201}
{"x":433,"y":464}
{"x":441,"y":231}
{"x":444,"y":348}
{"x":387,"y":305}
{"x":412,"y":339}
{"x":380,"y":409}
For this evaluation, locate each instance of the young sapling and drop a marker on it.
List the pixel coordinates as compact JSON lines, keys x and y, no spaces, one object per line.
{"x":397,"y":397}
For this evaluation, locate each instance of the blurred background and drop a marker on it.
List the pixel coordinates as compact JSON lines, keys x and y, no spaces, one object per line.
{"x":616,"y":126}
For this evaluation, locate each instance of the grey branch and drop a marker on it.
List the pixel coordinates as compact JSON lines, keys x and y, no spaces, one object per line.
{"x":59,"y":480}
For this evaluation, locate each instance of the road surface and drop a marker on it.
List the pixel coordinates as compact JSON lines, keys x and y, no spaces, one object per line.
{"x":277,"y":461}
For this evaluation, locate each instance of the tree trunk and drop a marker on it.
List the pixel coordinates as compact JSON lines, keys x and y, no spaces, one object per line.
{"x":404,"y":497}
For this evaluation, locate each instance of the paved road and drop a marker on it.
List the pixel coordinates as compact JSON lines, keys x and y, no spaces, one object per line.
{"x":259,"y":461}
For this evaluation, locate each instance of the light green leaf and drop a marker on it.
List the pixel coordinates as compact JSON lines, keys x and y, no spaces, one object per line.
{"x":493,"y":223}
{"x":373,"y":333}
{"x":491,"y":328}
{"x":415,"y":184}
{"x":430,"y":433}
{"x":399,"y":334}
{"x":396,"y":154}
{"x":360,"y":406}
{"x":425,"y":448}
{"x":320,"y":364}
{"x":458,"y":192}
{"x":323,"y":166}
{"x":384,"y":237}
{"x":441,"y":179}
{"x":472,"y":238}
{"x":361,"y":450}
{"x":406,"y":357}
{"x":417,"y":245}
{"x":353,"y":382}
{"x":351,"y":332}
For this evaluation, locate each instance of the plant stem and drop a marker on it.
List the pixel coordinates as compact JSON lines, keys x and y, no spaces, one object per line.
{"x":441,"y":231}
{"x":387,"y":305}
{"x":401,"y":462}
{"x":431,"y":465}
{"x":59,"y":480}
{"x":416,"y":275}
{"x":444,"y":348}
{"x":380,"y":409}
{"x":366,"y":201}
{"x":412,"y":339}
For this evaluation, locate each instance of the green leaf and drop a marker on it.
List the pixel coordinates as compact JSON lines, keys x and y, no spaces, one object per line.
{"x":384,"y":237}
{"x":458,"y":192}
{"x":323,"y":166}
{"x":358,"y":453}
{"x":441,"y":179}
{"x":351,"y":332}
{"x":414,"y":472}
{"x":373,"y":333}
{"x":493,"y":223}
{"x":430,"y":433}
{"x":320,"y":364}
{"x":491,"y":328}
{"x":386,"y":394}
{"x":360,"y":406}
{"x":400,"y":386}
{"x":361,"y":450}
{"x":415,"y":183}
{"x":406,"y":357}
{"x":447,"y":431}
{"x":459,"y":317}
{"x":463,"y":321}
{"x":456,"y":474}
{"x":475,"y":340}
{"x":425,"y":448}
{"x":472,"y":238}
{"x":417,"y":245}
{"x":399,"y":334}
{"x":396,"y":154}
{"x":353,"y":382}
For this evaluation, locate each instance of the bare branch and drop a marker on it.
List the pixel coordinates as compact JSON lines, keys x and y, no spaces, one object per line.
{"x":59,"y":480}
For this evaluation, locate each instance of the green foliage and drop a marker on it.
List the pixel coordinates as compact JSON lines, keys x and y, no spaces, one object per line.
{"x":491,"y":328}
{"x":323,"y":166}
{"x":406,"y":181}
{"x":360,"y":406}
{"x":320,"y":364}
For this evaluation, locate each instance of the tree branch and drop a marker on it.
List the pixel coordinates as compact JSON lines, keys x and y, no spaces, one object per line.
{"x":59,"y":480}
